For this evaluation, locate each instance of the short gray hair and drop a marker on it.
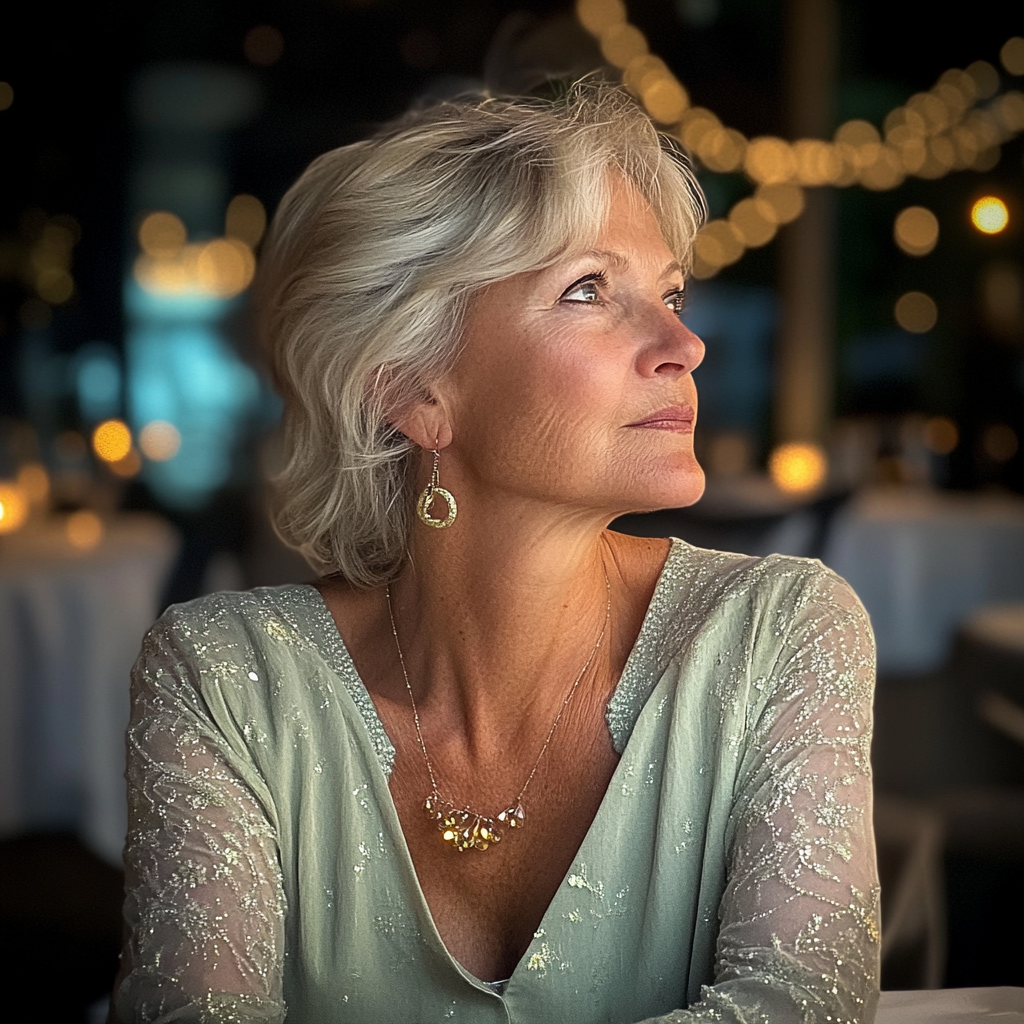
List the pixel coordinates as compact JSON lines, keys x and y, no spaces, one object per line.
{"x":373,"y":256}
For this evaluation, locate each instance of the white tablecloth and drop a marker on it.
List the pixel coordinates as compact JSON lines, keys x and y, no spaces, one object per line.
{"x":70,"y":628}
{"x":922,"y":561}
{"x":953,"y":1006}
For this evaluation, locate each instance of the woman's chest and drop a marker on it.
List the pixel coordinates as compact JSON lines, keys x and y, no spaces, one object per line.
{"x":487,"y":903}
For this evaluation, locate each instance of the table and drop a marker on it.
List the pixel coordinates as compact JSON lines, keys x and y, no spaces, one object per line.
{"x":922,"y":561}
{"x":70,"y":627}
{"x":952,"y":1006}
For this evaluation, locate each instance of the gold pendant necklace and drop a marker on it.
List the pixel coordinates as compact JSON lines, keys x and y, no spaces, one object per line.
{"x":463,"y":828}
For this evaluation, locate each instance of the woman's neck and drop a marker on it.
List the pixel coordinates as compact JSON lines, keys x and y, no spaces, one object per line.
{"x":493,"y":618}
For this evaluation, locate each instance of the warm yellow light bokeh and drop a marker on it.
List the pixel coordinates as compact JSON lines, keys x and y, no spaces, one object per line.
{"x":34,"y":482}
{"x":1009,"y":109}
{"x":941,"y":435}
{"x":999,"y":442}
{"x":937,"y":131}
{"x":622,"y":43}
{"x":55,"y":285}
{"x":597,"y":16}
{"x":643,"y":71}
{"x":780,"y":203}
{"x":112,"y":440}
{"x":665,"y":99}
{"x":749,"y":220}
{"x":159,"y":440}
{"x":718,"y":244}
{"x":162,"y":235}
{"x":989,"y":215}
{"x":986,"y":78}
{"x":84,"y":530}
{"x":697,"y":122}
{"x":916,"y":230}
{"x":769,"y":160}
{"x":817,"y":162}
{"x":1012,"y":55}
{"x":13,"y":507}
{"x":798,"y":468}
{"x":246,"y":220}
{"x":225,"y":267}
{"x":127,"y":467}
{"x":916,"y":312}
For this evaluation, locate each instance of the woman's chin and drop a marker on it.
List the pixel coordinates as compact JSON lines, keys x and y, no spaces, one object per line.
{"x":681,"y":488}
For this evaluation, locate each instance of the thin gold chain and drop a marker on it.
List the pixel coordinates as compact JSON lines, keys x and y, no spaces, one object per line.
{"x":463,"y":828}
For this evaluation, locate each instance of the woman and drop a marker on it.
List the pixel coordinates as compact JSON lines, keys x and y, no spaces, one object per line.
{"x":500,"y":763}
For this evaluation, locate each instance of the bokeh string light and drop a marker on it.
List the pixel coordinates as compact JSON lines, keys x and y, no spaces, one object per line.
{"x":220,"y":268}
{"x":798,"y":468}
{"x":959,"y":124}
{"x":941,"y":435}
{"x":84,"y":530}
{"x":916,"y":230}
{"x":989,"y":215}
{"x":13,"y":507}
{"x":112,"y":441}
{"x":916,"y":312}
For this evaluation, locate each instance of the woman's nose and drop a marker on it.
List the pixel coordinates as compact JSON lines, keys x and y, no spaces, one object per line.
{"x":674,"y":348}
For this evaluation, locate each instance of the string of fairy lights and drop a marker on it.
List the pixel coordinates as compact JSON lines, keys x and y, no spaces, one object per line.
{"x":959,"y":124}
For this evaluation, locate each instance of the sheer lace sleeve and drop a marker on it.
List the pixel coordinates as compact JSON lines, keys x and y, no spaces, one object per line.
{"x":204,"y":911}
{"x":799,"y":936}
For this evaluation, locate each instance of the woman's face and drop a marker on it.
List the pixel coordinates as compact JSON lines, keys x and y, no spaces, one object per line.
{"x":575,"y":385}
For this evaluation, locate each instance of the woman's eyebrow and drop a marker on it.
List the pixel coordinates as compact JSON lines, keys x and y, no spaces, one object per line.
{"x":619,"y":260}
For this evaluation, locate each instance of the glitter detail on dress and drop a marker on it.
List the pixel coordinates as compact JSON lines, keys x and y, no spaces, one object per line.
{"x":728,"y":874}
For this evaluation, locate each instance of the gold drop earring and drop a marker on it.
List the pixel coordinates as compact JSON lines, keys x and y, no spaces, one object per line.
{"x":426,"y":500}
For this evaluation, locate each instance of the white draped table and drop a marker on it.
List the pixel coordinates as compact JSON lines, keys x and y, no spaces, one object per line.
{"x":953,"y":1006}
{"x":922,"y":561}
{"x":70,"y":627}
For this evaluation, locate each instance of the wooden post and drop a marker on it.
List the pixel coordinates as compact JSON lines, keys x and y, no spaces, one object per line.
{"x":805,"y":374}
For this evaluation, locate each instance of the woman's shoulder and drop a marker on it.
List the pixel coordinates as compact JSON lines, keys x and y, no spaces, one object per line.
{"x":274,"y":612}
{"x":717,"y":601}
{"x":231,"y":634}
{"x":696,"y":578}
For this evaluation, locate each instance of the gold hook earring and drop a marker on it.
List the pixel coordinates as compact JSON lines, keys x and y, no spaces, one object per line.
{"x":426,"y":499}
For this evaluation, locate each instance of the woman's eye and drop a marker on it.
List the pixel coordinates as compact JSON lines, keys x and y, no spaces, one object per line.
{"x":585,"y":291}
{"x":676,"y":301}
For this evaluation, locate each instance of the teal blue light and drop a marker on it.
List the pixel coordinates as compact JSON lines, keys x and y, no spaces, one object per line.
{"x":182,"y":369}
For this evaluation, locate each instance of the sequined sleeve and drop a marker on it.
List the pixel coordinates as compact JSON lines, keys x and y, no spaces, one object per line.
{"x":204,"y":911}
{"x":799,"y":933}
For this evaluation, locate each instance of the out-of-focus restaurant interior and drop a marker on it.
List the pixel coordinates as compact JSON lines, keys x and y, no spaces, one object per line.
{"x":859,"y":285}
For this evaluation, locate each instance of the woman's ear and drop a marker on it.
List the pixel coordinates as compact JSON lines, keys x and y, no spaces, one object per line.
{"x":426,"y":424}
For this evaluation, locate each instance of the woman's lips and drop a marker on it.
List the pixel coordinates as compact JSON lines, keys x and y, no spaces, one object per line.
{"x":676,"y":417}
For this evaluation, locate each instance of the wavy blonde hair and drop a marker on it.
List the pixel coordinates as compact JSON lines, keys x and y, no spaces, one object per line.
{"x":373,"y":256}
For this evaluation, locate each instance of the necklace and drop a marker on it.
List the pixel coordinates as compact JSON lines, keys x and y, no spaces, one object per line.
{"x":463,"y":828}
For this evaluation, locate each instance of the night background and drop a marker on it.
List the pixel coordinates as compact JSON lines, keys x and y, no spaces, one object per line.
{"x":109,"y":114}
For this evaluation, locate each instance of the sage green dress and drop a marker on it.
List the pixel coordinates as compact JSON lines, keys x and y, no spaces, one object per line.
{"x":729,"y":874}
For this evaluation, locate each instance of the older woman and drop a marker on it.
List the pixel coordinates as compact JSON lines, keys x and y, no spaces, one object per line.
{"x":499,"y":764}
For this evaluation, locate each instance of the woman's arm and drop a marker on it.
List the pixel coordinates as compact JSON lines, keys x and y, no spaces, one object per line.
{"x":799,"y":936}
{"x":204,"y":909}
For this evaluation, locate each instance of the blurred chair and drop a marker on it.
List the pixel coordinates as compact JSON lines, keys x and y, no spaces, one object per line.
{"x":909,"y":840}
{"x":60,"y":928}
{"x":990,"y":651}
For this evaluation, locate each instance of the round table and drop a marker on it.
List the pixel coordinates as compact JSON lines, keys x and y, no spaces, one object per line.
{"x":71,"y":623}
{"x":922,"y":561}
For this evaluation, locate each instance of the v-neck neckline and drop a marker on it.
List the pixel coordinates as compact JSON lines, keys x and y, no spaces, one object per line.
{"x":341,"y":661}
